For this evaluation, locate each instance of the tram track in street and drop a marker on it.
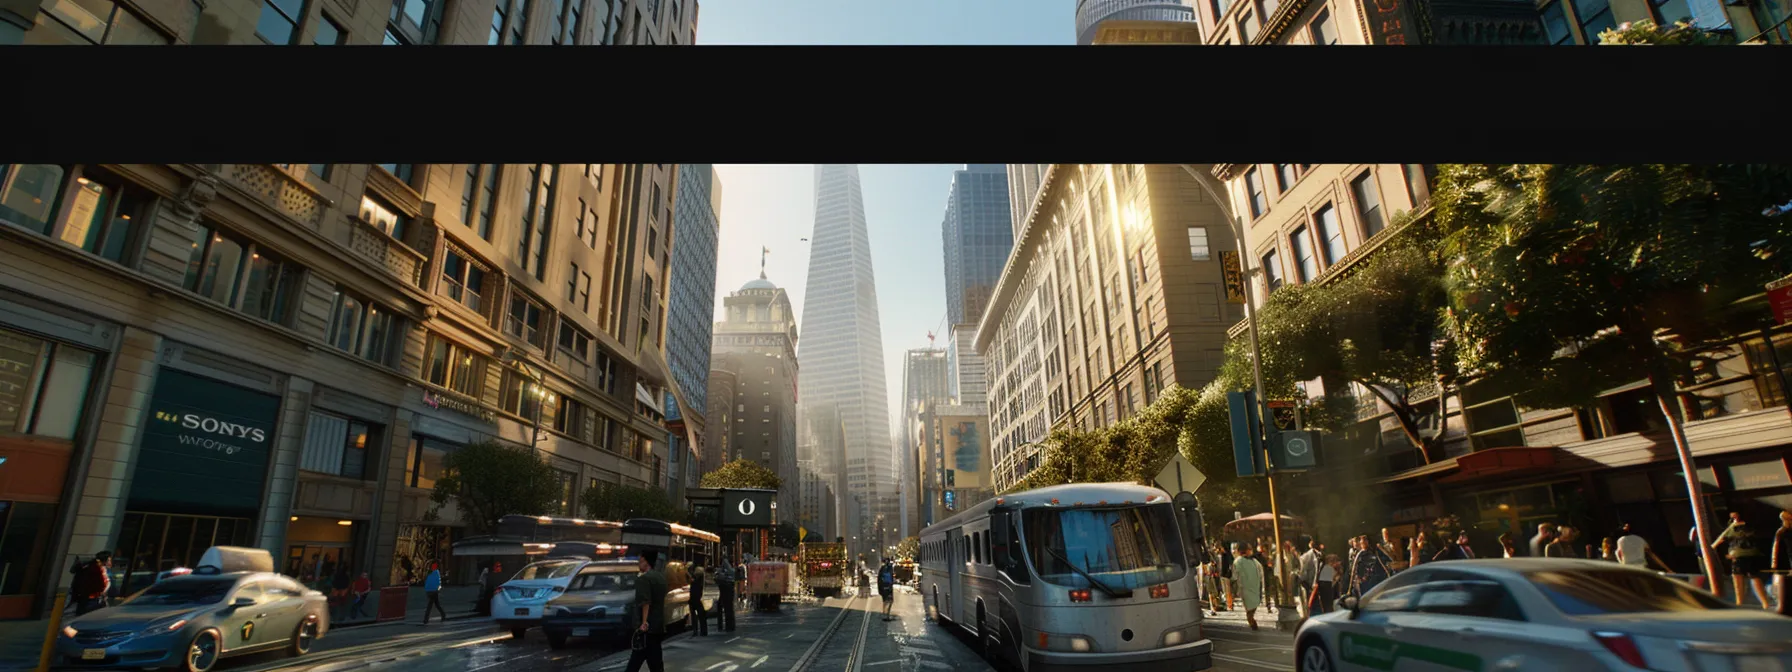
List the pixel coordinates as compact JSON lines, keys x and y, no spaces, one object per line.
{"x":813,"y":653}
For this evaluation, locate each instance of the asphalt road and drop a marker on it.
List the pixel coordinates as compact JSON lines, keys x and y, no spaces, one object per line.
{"x":844,"y":634}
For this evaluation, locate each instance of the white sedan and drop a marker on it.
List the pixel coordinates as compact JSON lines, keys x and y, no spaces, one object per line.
{"x":1541,"y":614}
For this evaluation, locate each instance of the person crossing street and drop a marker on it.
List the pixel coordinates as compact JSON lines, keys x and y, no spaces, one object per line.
{"x":650,"y":601}
{"x":886,"y":586}
{"x":699,"y":619}
{"x":432,"y":587}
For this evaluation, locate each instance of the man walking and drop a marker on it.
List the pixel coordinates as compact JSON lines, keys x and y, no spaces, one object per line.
{"x":699,"y":619}
{"x":725,"y":596}
{"x":432,"y":588}
{"x":1745,"y":559}
{"x":92,"y":583}
{"x":1634,"y":551}
{"x":1781,"y":561}
{"x":1546,"y":534}
{"x":1309,"y":574}
{"x":361,"y":588}
{"x":650,"y":601}
{"x":886,"y":586}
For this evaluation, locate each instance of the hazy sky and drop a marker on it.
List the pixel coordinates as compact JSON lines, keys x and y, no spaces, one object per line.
{"x":773,"y":206}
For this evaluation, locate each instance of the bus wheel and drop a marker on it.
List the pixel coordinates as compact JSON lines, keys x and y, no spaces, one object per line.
{"x":985,"y":646}
{"x":933,"y":610}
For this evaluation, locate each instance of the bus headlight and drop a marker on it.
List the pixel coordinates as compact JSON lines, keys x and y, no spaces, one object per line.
{"x":1051,"y":641}
{"x":1182,"y":635}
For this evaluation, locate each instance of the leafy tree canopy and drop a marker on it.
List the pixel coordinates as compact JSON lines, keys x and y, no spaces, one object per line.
{"x":742,"y":473}
{"x":1646,"y":32}
{"x":908,"y":548}
{"x":617,"y":502}
{"x":489,"y":480}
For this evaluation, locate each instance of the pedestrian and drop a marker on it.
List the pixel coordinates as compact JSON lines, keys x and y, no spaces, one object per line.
{"x":699,"y":618}
{"x":1608,"y":550}
{"x":725,"y":596}
{"x":361,"y":588}
{"x":1563,"y":544}
{"x":1781,"y":562}
{"x":886,"y":586}
{"x":1392,"y":548}
{"x":1309,"y":573}
{"x":1507,"y":549}
{"x":1546,"y":533}
{"x":650,"y":603}
{"x":488,"y":587}
{"x":1226,"y":583}
{"x":410,"y":570}
{"x":1633,"y":550}
{"x":1371,"y":567}
{"x":1745,"y":558}
{"x":339,"y":585}
{"x":1459,"y":551}
{"x":1249,"y":575}
{"x":740,"y":584}
{"x":1325,"y":583}
{"x":432,"y":588}
{"x":92,"y":583}
{"x":1272,"y":586}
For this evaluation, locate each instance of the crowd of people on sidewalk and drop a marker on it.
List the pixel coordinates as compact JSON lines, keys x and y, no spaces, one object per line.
{"x":1243,"y":574}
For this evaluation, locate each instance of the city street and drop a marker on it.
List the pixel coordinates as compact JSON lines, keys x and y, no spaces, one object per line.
{"x":845,"y":633}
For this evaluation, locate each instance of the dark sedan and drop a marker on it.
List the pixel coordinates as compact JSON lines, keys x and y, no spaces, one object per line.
{"x":597,"y":603}
{"x":190,"y":622}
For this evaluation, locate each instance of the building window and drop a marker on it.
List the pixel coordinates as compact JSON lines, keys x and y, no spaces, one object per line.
{"x":1305,"y":266}
{"x":566,"y":22}
{"x":453,"y":366}
{"x":328,"y":33}
{"x":1219,"y":8}
{"x":337,"y":446}
{"x":463,"y":280}
{"x":1555,"y":24}
{"x":1418,"y":184}
{"x":279,"y":21}
{"x":1326,"y":220}
{"x":321,"y":170}
{"x":647,"y":292}
{"x":574,"y":341}
{"x":518,"y":24}
{"x":1323,"y":29}
{"x":235,"y":273}
{"x":569,"y":417}
{"x":1272,"y":270}
{"x":383,"y":216}
{"x":1285,"y":176}
{"x":1368,"y":204}
{"x":499,"y":13}
{"x":425,"y":464}
{"x":1197,"y":244}
{"x":402,"y":171}
{"x":469,"y":194}
{"x":1670,"y":12}
{"x":43,"y":386}
{"x":606,"y":372}
{"x":1253,"y":185}
{"x":361,"y":328}
{"x":520,"y":395}
{"x":30,"y":193}
{"x":1247,"y":27}
{"x":584,"y":298}
{"x":413,"y":22}
{"x":92,"y":22}
{"x":1595,"y":18}
{"x":525,"y":320}
{"x":572,"y":285}
{"x":532,"y":248}
{"x":105,"y":213}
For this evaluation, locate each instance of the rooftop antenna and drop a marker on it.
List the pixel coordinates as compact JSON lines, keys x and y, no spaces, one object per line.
{"x":762,"y":252}
{"x":930,"y":340}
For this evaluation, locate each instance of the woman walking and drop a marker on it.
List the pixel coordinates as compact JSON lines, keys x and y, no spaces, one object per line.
{"x":1249,"y":575}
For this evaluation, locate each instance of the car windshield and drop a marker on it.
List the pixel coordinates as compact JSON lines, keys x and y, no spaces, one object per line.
{"x":1596,"y":592}
{"x":552,"y":569}
{"x":183,"y":592}
{"x":620,"y":578}
{"x":1123,"y":548}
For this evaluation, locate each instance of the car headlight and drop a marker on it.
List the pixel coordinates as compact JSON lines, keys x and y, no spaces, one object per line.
{"x":597,"y":611}
{"x":69,"y":631}
{"x":167,"y":625}
{"x":1051,"y":641}
{"x":1182,"y":635}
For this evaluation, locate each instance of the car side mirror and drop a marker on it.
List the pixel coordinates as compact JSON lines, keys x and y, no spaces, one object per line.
{"x":242,"y":602}
{"x":1351,"y":604}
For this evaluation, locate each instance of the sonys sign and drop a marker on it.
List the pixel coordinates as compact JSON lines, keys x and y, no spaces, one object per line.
{"x":205,"y":448}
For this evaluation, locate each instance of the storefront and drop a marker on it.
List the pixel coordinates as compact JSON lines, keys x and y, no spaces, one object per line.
{"x":200,"y":474}
{"x":317,"y":549}
{"x":45,"y":390}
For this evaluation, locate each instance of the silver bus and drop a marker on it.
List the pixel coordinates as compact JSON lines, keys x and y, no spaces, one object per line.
{"x":1069,"y":577}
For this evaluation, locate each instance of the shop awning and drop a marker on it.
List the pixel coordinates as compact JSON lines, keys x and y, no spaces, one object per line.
{"x":1480,"y":464}
{"x":484,"y":547}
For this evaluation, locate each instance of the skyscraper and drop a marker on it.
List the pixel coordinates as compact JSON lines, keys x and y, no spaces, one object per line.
{"x":1090,"y":13}
{"x":842,"y":344}
{"x":757,"y":343}
{"x":925,"y":380}
{"x":976,"y":237}
{"x":690,"y":310}
{"x":1023,"y":187}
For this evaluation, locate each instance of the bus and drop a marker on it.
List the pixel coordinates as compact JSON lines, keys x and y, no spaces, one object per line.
{"x":1082,"y":575}
{"x":533,"y":537}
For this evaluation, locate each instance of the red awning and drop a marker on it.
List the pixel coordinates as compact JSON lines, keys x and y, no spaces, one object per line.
{"x":1500,"y":461}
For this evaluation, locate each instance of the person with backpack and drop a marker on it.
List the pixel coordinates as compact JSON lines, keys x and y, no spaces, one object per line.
{"x":432,"y":587}
{"x":886,"y":586}
{"x":92,"y":583}
{"x":724,"y":577}
{"x":1746,"y":564}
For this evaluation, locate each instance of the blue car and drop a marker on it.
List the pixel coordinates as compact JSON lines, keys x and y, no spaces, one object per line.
{"x":191,"y":622}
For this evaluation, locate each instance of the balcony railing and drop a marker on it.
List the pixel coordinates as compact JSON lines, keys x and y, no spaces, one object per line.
{"x":372,"y":244}
{"x":277,"y":189}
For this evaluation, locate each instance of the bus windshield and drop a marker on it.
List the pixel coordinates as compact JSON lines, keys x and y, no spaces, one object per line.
{"x":1123,"y":548}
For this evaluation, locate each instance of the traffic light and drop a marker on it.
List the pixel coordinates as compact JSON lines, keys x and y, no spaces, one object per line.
{"x":1294,"y":450}
{"x":1247,"y":434}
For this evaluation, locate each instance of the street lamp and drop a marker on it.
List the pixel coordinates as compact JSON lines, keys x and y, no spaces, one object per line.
{"x":541,"y":393}
{"x":1284,"y":619}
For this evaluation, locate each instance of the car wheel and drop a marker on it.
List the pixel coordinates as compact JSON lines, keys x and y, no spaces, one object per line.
{"x":302,"y":638}
{"x":1314,"y":657}
{"x":556,"y":640}
{"x":518,"y":633}
{"x":202,"y":652}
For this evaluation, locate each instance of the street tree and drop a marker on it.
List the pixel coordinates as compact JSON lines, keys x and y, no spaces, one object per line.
{"x":1567,"y":280}
{"x":742,"y":473}
{"x":1649,"y":33}
{"x":488,"y":480}
{"x":618,"y":502}
{"x":908,"y":548}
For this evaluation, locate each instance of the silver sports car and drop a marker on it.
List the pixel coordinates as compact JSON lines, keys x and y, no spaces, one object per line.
{"x":190,"y":622}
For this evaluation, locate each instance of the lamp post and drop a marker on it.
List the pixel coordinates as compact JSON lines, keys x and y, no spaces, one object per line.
{"x":1285,"y":619}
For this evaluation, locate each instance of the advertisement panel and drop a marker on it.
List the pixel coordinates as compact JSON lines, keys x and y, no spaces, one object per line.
{"x":205,"y":448}
{"x":747,"y":508}
{"x":966,"y":450}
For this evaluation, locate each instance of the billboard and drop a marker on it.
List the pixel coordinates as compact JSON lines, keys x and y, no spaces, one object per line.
{"x":966,"y":450}
{"x":747,"y":508}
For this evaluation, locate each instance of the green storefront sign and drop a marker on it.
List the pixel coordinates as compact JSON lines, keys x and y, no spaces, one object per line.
{"x":1379,"y":653}
{"x":205,"y":448}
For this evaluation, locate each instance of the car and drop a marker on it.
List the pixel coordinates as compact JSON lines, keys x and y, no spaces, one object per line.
{"x":232,"y":604}
{"x":517,"y":605}
{"x":1541,"y":614}
{"x":597,"y":603}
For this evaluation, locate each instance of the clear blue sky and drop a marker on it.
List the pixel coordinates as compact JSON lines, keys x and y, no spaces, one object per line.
{"x":906,"y":22}
{"x":773,"y":206}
